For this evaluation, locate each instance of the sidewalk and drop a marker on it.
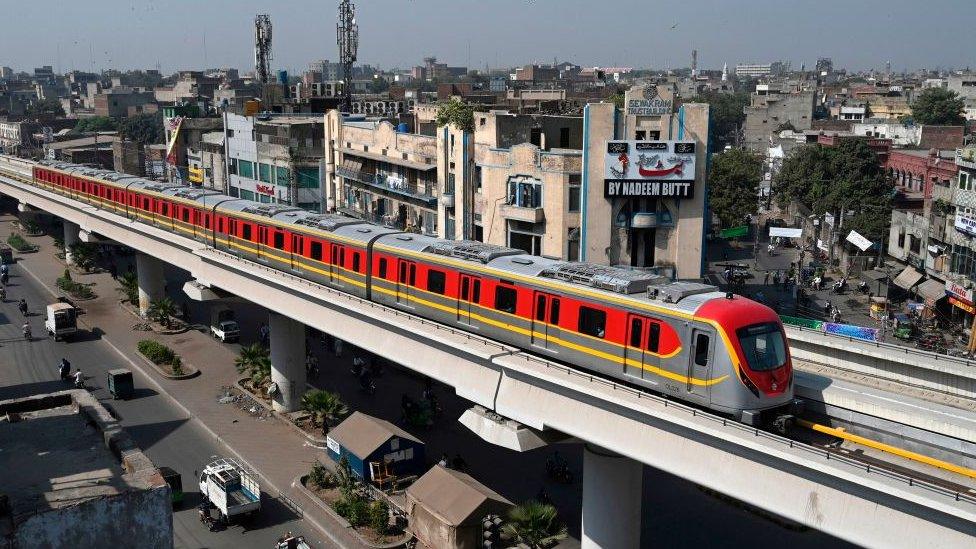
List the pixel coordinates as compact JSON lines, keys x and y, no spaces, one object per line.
{"x":267,"y":446}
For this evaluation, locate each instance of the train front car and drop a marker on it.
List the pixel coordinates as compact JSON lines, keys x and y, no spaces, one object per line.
{"x":757,"y":354}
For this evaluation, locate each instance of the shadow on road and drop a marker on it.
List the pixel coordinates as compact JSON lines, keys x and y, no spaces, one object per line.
{"x":28,"y":389}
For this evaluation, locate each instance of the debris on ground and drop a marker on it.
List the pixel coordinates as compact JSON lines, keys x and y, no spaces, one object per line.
{"x":243,"y":401}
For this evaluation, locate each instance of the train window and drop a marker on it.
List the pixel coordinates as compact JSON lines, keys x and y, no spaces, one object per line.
{"x":186,"y":215}
{"x":701,"y":350}
{"x":355,"y":262}
{"x":278,"y":240}
{"x":206,"y":221}
{"x":413,"y":274}
{"x":592,"y":322}
{"x":436,"y":281}
{"x":635,"y":332}
{"x":247,"y":231}
{"x":381,"y":271}
{"x":476,"y":291}
{"x":220,"y":224}
{"x":316,"y":251}
{"x":165,"y":209}
{"x":654,"y":337}
{"x":505,"y":299}
{"x":145,"y":203}
{"x":553,"y":311}
{"x":540,"y":307}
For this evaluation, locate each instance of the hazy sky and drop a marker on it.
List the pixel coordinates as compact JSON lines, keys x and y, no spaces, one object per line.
{"x":182,"y":34}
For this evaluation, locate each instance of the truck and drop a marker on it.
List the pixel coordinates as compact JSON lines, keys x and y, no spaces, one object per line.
{"x":223,"y":325}
{"x":62,"y":320}
{"x":230,"y":488}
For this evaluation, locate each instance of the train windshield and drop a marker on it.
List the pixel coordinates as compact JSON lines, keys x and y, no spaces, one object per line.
{"x":763,"y":346}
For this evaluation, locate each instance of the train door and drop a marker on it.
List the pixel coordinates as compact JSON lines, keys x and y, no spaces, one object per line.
{"x":700,"y":361}
{"x":545,"y":321}
{"x":470,"y":294}
{"x":337,"y":263}
{"x":262,"y":242}
{"x":634,"y":350}
{"x":297,"y":251}
{"x":406,"y":279}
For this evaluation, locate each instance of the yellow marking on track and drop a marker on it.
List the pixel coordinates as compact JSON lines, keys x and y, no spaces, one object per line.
{"x":914,"y":456}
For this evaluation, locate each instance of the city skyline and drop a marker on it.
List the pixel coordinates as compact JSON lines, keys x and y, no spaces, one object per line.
{"x":182,"y":35}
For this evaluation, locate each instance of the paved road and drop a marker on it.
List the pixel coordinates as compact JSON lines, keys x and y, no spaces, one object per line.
{"x":153,"y":420}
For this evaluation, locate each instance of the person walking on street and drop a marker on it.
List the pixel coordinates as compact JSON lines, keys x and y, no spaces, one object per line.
{"x":776,"y":278}
{"x":786,"y":282}
{"x":766,"y":279}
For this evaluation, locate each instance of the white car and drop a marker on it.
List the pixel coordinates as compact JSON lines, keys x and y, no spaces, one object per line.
{"x":226,"y":331}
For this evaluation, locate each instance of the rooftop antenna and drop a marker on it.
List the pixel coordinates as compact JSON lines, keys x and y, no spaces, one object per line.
{"x":262,"y":47}
{"x":347,"y":37}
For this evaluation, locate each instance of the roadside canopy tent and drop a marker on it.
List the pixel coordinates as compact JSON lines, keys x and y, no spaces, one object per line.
{"x":446,"y":508}
{"x":931,"y":290}
{"x":908,"y":278}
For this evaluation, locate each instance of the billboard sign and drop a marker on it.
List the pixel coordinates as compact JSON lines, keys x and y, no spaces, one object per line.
{"x":965,"y":224}
{"x":664,"y":169}
{"x":648,"y":103}
{"x":858,"y":240}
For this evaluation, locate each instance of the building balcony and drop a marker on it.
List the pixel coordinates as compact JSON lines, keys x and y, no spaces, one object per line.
{"x":519,"y":213}
{"x":390,"y":185}
{"x":966,"y":158}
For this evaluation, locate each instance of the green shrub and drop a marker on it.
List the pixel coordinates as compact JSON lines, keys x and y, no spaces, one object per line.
{"x":66,"y":275}
{"x":177,"y":365}
{"x":157,"y":352}
{"x":320,"y":476}
{"x":18,"y":243}
{"x":357,"y":511}
{"x":379,"y":516}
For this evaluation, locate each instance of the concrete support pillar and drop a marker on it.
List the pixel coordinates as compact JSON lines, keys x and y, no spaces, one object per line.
{"x":611,"y":500}
{"x":71,"y":232}
{"x":152,"y":283}
{"x":287,"y":362}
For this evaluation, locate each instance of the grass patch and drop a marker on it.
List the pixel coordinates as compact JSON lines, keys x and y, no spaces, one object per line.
{"x":18,"y":243}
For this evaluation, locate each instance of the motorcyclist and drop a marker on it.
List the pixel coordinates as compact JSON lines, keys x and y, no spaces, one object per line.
{"x":64,"y":369}
{"x":3,"y":293}
{"x":27,"y":331}
{"x":79,"y":380}
{"x":23,"y":307}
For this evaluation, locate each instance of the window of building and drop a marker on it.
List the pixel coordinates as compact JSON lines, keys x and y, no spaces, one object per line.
{"x":592,"y":322}
{"x":524,"y":192}
{"x":436,"y":281}
{"x":505,"y":299}
{"x":901,"y":240}
{"x":449,"y":186}
{"x":963,"y":261}
{"x":564,"y":138}
{"x":965,"y":181}
{"x":247,"y":195}
{"x":245,"y":169}
{"x":282,"y":176}
{"x":316,"y":251}
{"x":264,"y":172}
{"x":232,"y":167}
{"x":574,"y":193}
{"x":477,"y":179}
{"x":308,"y":178}
{"x":916,"y":245}
{"x":449,"y":227}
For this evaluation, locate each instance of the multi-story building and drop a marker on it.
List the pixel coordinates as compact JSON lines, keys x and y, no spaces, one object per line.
{"x":759,"y":70}
{"x":275,"y":159}
{"x":185,"y":128}
{"x":122,"y":102}
{"x":17,"y":137}
{"x":774,"y":108}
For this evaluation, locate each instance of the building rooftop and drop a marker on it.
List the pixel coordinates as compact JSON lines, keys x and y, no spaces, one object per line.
{"x":59,"y":446}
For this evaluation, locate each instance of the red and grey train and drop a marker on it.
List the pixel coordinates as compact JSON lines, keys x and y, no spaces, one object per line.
{"x":686,"y":340}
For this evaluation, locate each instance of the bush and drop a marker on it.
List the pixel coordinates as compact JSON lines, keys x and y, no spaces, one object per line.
{"x":18,"y":243}
{"x":320,"y":476}
{"x":357,"y":510}
{"x":379,"y":516}
{"x":157,"y":352}
{"x":66,"y":275}
{"x":177,"y":365}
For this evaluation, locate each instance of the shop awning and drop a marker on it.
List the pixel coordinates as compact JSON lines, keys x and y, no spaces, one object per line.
{"x":908,"y":278}
{"x":931,"y":290}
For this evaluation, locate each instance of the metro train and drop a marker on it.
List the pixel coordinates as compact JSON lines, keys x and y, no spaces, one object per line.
{"x":685,"y":340}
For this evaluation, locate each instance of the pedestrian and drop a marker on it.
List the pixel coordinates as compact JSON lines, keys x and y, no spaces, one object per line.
{"x":113,"y":270}
{"x":444,"y":462}
{"x":728,"y":274}
{"x":776,"y":278}
{"x":766,"y":279}
{"x":786,"y":282}
{"x":264,"y":332}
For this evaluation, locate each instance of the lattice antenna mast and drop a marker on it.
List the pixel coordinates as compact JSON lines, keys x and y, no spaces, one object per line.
{"x":262,"y":47}
{"x":347,"y":37}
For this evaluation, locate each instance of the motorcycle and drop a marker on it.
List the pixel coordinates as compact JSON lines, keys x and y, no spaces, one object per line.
{"x":27,"y":333}
{"x":22,"y":306}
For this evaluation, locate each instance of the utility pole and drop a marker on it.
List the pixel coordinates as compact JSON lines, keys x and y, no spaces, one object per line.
{"x":347,"y":37}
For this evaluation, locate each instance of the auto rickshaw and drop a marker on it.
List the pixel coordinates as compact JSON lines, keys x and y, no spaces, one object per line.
{"x":175,"y":482}
{"x":120,"y":383}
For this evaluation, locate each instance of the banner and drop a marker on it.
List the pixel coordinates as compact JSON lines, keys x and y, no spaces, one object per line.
{"x":856,"y":239}
{"x":649,"y":168}
{"x":785,"y":232}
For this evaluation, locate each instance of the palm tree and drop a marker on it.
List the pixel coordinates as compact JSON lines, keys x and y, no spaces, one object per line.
{"x":129,"y":286}
{"x":83,"y":255}
{"x":534,"y":524}
{"x":163,"y":310}
{"x":255,"y":362}
{"x":325,"y":406}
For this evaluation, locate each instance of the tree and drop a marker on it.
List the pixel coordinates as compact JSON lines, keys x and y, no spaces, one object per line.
{"x":727,"y":116}
{"x":617,"y":99}
{"x":163,"y":310}
{"x":534,"y":524}
{"x":45,"y":108}
{"x":846,"y":181}
{"x":129,"y":286}
{"x":938,"y":106}
{"x":95,"y":124}
{"x":254,"y":362}
{"x":457,"y":113}
{"x":325,"y":406}
{"x":144,"y":129}
{"x":83,"y":254}
{"x":733,"y":185}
